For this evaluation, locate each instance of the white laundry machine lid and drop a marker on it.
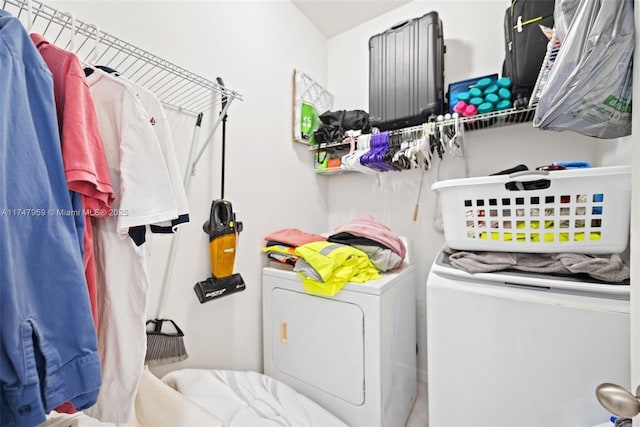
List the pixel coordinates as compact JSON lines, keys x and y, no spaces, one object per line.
{"x":442,"y":267}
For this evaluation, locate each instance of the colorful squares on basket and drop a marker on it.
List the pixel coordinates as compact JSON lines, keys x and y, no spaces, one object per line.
{"x":561,"y":218}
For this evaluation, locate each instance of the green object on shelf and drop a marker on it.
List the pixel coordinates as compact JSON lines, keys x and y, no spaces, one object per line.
{"x":322,"y":157}
{"x":309,"y":122}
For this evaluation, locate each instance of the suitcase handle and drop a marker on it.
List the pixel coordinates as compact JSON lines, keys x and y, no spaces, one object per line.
{"x":398,"y":25}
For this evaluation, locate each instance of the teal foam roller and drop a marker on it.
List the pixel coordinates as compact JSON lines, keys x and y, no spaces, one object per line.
{"x":503,"y":105}
{"x":492,"y":98}
{"x":482,"y":84}
{"x":491,"y":89}
{"x":476,"y":101}
{"x":485,"y":107}
{"x":475,"y":92}
{"x":504,"y":93}
{"x":464,"y":96}
{"x":504,"y":82}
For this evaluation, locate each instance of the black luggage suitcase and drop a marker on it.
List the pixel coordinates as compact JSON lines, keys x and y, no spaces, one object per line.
{"x":406,"y":73}
{"x":526,"y":45}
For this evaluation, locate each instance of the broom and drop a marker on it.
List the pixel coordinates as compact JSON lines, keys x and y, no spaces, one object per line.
{"x":168,"y":347}
{"x":164,"y":347}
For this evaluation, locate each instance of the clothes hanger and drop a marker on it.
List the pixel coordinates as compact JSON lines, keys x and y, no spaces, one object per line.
{"x":406,"y":155}
{"x":456,"y":140}
{"x":424,"y":148}
{"x":362,"y":148}
{"x":390,"y":157}
{"x":412,"y":150}
{"x":346,"y":160}
{"x":403,"y":157}
{"x":89,"y":65}
{"x":71,"y":44}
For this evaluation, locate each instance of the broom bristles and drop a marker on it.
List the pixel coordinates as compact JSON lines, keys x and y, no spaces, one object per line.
{"x":163,"y":348}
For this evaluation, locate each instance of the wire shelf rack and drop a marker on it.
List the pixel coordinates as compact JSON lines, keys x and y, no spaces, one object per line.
{"x":175,"y":86}
{"x":490,"y":120}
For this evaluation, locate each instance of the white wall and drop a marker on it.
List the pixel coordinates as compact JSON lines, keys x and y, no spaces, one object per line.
{"x":254,"y":46}
{"x":473,"y":32}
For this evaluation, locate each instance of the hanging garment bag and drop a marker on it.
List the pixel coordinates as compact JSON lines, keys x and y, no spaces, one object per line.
{"x":406,"y":73}
{"x":590,"y":86}
{"x":528,"y":25}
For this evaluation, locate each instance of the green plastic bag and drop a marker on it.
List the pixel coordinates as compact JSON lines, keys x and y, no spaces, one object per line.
{"x":309,"y":122}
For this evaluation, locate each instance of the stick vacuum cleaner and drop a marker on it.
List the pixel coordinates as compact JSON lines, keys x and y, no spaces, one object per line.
{"x":223,"y":230}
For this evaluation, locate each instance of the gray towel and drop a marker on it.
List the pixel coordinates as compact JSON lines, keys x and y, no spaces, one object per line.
{"x":383,"y":259}
{"x":609,"y":268}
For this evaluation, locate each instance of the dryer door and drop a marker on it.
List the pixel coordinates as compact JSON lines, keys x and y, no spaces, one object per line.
{"x":319,"y":341}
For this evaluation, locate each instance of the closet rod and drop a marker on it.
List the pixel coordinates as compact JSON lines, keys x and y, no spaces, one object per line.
{"x":181,"y":89}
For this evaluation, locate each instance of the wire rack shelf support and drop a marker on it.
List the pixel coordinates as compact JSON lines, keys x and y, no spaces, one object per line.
{"x":175,"y":86}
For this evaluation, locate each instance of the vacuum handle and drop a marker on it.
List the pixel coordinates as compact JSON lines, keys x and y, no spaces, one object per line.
{"x":222,"y":214}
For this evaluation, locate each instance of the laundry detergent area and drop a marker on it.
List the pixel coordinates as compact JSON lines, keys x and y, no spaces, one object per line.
{"x":319,"y":213}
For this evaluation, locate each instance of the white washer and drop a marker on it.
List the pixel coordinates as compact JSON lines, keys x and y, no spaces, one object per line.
{"x":353,"y":353}
{"x":515,"y":349}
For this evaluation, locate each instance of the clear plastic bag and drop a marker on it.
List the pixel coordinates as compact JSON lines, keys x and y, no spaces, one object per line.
{"x":589,"y":89}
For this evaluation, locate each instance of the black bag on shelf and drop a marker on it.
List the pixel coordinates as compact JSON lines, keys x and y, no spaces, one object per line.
{"x":406,"y":73}
{"x":527,"y":30}
{"x":336,"y":123}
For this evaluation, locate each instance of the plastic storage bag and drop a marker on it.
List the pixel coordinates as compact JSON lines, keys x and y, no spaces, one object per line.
{"x":590,"y":85}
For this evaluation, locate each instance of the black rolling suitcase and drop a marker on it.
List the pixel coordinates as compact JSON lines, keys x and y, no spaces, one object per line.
{"x":527,"y":29}
{"x":406,"y":73}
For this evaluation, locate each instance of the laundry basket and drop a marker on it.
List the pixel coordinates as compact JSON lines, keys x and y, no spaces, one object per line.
{"x":575,"y":210}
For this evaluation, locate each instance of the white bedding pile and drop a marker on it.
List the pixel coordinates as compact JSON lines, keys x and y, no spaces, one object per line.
{"x":212,"y":398}
{"x":157,"y":405}
{"x":242,"y":398}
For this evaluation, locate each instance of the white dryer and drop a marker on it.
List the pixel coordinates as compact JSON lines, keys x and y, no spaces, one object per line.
{"x":515,"y":349}
{"x":353,"y":353}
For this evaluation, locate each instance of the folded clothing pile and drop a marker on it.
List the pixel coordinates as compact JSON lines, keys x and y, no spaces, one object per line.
{"x":384,"y":248}
{"x":281,"y":245}
{"x":607,"y":268}
{"x":356,"y":252}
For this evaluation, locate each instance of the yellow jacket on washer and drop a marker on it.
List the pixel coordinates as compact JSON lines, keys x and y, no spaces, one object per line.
{"x":333,"y":265}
